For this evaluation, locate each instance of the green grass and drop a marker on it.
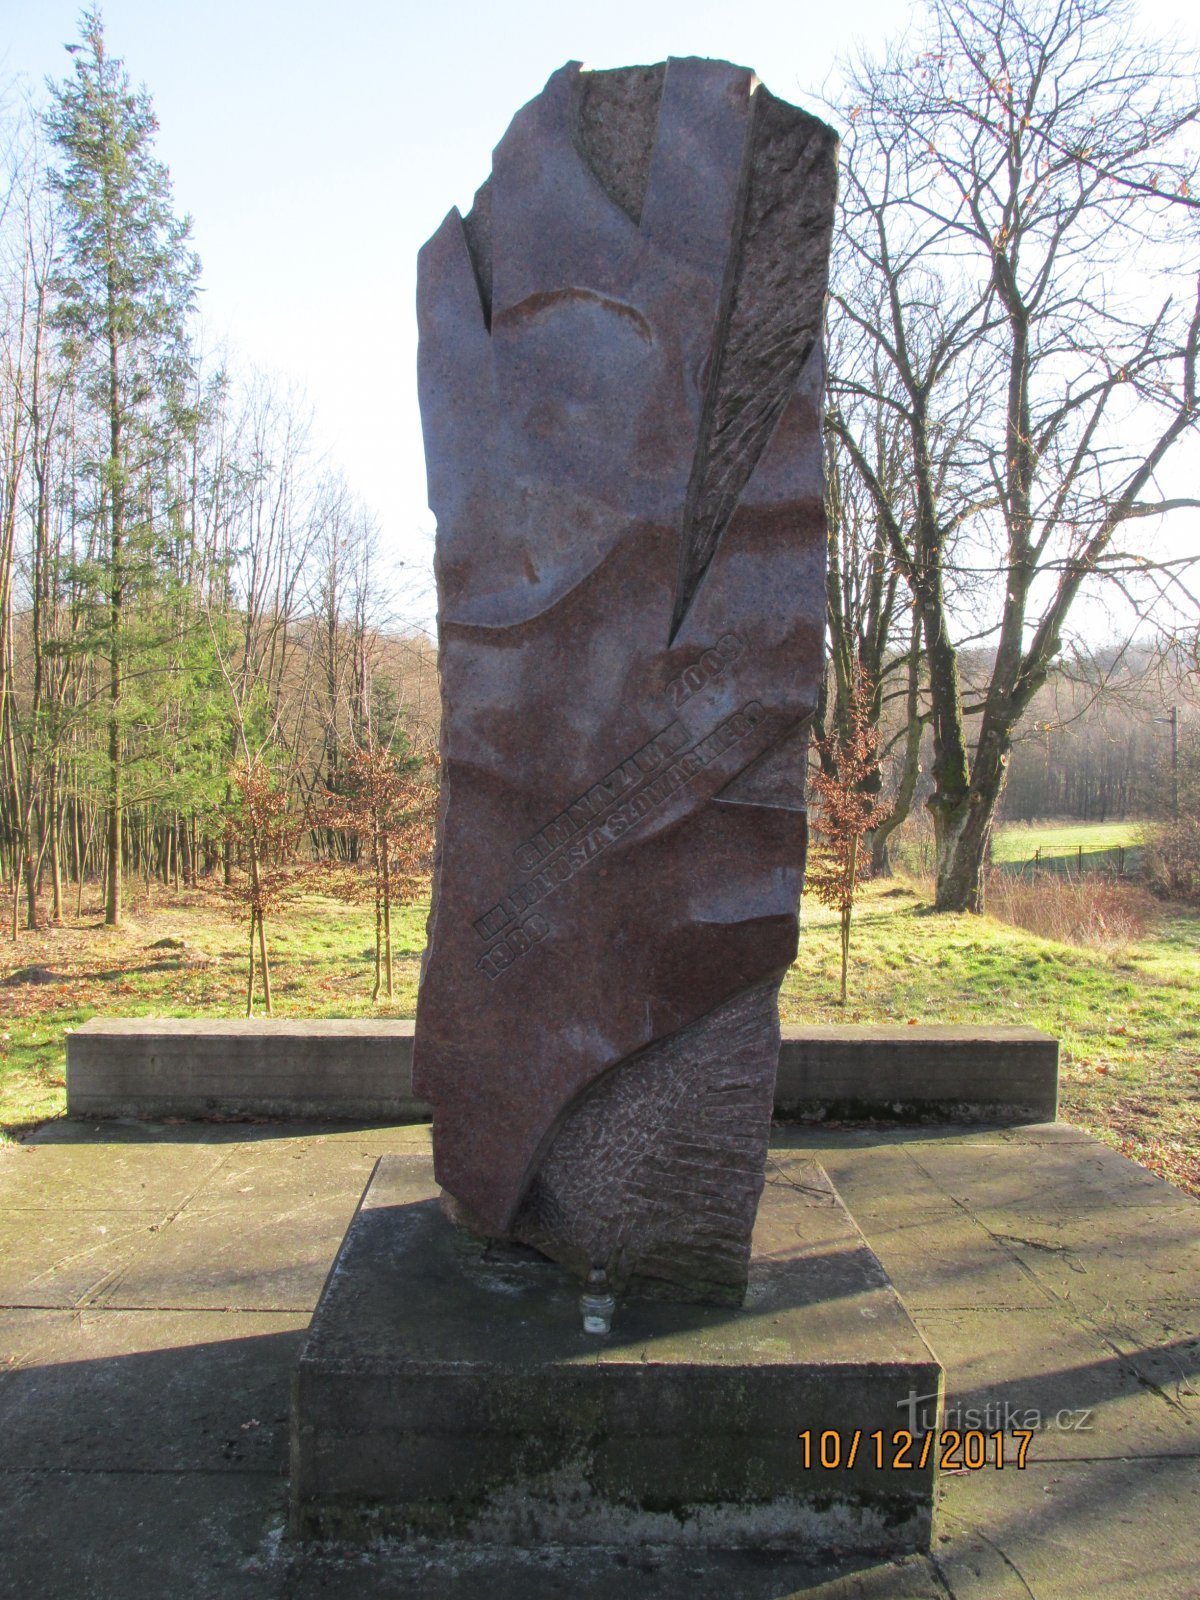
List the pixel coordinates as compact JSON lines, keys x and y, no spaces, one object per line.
{"x":1126,"y":1016}
{"x":322,"y":965}
{"x":1068,"y":846}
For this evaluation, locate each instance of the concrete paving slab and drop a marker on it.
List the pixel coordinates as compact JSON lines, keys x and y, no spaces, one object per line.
{"x":219,"y":1381}
{"x":250,"y":1130}
{"x":63,"y":1258}
{"x":76,"y":1177}
{"x":1083,"y":1397}
{"x":400,"y":1139}
{"x":939,"y":1258}
{"x":887,"y":1187}
{"x":269,"y":1254}
{"x":131,"y":1130}
{"x":1019,"y":1134}
{"x":293,"y":1169}
{"x":1052,"y":1178}
{"x":833,"y":1135}
{"x":20,"y":1337}
{"x":1122,"y":1279}
{"x":1161,"y":1344}
{"x":1095,"y":1260}
{"x":117,"y":1535}
{"x":601,"y":1573}
{"x":1089,"y":1530}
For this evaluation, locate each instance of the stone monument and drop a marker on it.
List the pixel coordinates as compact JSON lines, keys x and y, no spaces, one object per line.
{"x":620,"y":376}
{"x":620,"y":381}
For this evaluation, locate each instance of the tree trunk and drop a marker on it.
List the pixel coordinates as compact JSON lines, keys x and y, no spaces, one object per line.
{"x":56,"y":820}
{"x":961,"y":870}
{"x":881,"y":866}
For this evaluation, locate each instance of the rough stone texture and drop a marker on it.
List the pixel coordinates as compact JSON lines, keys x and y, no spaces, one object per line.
{"x":621,"y":376}
{"x":671,"y":1139}
{"x":446,"y":1390}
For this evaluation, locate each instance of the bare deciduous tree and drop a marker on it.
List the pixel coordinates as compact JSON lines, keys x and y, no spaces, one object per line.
{"x":1003,"y":175}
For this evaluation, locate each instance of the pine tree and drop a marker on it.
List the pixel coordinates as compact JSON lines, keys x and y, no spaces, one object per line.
{"x":126,"y":285}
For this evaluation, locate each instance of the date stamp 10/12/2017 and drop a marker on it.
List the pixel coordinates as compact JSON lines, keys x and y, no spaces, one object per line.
{"x":951,"y":1450}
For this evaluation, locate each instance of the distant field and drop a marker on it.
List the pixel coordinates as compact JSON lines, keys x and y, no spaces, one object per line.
{"x":1063,"y":846}
{"x":1124,"y":1011}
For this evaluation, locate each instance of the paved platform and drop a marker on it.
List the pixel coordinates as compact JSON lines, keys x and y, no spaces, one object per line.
{"x":156,"y":1281}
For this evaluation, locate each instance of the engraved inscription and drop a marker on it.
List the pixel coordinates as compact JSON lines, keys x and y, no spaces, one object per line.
{"x":521,"y":938}
{"x":622,"y":780}
{"x":701,"y":672}
{"x":575,"y":853}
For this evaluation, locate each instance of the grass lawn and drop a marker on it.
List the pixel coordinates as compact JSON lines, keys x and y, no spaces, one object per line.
{"x":1126,"y":1015}
{"x":322,"y":965}
{"x":1104,"y":845}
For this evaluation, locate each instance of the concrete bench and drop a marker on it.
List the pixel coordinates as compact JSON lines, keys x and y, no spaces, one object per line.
{"x":956,"y":1074}
{"x":150,"y":1067}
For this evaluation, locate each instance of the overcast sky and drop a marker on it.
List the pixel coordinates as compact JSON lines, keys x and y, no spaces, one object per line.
{"x":317,"y":145}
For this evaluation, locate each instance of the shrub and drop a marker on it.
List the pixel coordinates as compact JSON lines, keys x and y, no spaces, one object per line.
{"x":1172,"y":860}
{"x":1091,"y":910}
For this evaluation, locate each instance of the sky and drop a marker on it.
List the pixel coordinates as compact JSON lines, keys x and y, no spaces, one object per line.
{"x":316,"y":147}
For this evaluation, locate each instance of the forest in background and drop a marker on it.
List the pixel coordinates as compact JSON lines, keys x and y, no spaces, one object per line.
{"x":190,"y":598}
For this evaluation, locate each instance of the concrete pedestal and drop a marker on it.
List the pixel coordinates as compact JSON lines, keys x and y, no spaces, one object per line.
{"x":446,"y":1389}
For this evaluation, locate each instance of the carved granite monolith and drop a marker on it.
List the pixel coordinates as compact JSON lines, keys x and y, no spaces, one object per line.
{"x":620,"y":379}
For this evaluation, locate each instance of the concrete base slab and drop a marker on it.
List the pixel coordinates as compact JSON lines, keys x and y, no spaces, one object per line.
{"x":133,"y":1463}
{"x":446,"y":1389}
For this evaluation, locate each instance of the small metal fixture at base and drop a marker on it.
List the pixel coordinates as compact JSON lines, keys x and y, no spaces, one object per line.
{"x":597,"y":1302}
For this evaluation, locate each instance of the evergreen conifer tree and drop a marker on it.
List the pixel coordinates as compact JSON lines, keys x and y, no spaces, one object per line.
{"x":126,"y":285}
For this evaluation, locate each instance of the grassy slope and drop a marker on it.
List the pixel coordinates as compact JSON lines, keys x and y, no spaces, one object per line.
{"x":1131,"y":1038}
{"x":1126,"y":1018}
{"x":1019,"y":840}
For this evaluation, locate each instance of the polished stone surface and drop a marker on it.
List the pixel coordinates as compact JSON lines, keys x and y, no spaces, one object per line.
{"x":621,"y":377}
